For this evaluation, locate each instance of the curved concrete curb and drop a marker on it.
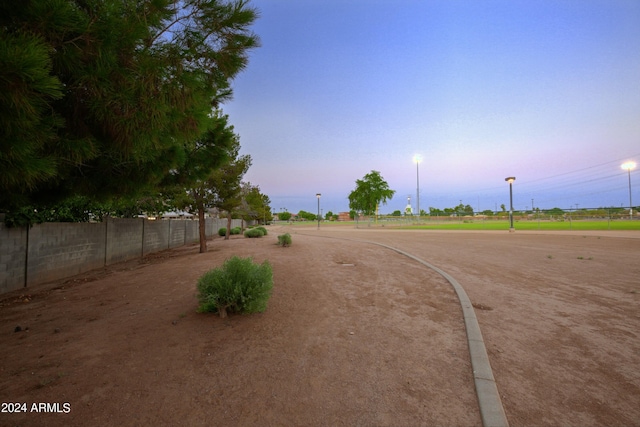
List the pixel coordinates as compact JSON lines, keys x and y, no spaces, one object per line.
{"x":491,"y":409}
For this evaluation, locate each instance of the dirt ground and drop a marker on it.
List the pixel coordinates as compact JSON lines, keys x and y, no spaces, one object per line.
{"x":354,"y":334}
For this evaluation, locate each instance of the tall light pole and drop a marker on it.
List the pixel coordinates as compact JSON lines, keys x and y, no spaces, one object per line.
{"x":417,"y":158}
{"x":510,"y":181}
{"x":318,"y":196}
{"x":629,"y":166}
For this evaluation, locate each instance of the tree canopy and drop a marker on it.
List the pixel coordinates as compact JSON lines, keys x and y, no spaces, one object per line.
{"x":97,"y":98}
{"x":284,"y":216}
{"x":370,"y":191}
{"x":193,"y":184}
{"x":225,"y":183}
{"x":255,"y":205}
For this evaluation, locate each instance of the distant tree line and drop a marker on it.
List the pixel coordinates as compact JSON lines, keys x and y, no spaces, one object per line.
{"x":467,"y":210}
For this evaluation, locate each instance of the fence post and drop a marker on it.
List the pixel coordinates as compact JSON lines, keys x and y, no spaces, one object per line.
{"x":26,"y":257}
{"x":106,"y":238}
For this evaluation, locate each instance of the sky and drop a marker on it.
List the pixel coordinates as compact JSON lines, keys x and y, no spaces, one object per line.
{"x":547,"y":91}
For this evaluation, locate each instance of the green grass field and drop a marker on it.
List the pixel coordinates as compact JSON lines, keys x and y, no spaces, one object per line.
{"x":529,"y":225}
{"x":479,"y":224}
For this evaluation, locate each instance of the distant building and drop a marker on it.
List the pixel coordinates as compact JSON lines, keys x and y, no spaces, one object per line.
{"x":344,"y":216}
{"x":177,"y":215}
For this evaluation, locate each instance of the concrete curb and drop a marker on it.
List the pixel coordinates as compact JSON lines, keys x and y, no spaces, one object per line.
{"x":491,"y":409}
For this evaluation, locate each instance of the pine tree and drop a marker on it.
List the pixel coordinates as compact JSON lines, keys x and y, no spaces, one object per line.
{"x":204,"y":158}
{"x":97,"y":98}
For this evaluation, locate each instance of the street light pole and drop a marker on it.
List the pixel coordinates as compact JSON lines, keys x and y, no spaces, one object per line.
{"x":629,"y":166}
{"x":318,"y":196}
{"x":510,"y":181}
{"x":417,"y":159}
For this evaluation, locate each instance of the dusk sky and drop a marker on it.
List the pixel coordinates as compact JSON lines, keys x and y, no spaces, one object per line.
{"x":547,"y":91}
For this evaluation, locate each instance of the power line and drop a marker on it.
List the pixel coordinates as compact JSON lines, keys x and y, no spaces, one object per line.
{"x":584,"y":169}
{"x":577,"y":184}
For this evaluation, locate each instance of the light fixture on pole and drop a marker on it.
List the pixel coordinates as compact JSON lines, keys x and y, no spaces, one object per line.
{"x":417,"y":158}
{"x":510,"y":181}
{"x":318,"y":196}
{"x":629,"y":166}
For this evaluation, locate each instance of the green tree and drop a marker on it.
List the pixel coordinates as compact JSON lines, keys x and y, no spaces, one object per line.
{"x":203,"y":157}
{"x":97,"y":97}
{"x":254,"y":204}
{"x":225,"y":184}
{"x":555,"y":211}
{"x":284,"y":216}
{"x":369,"y":193}
{"x":461,"y":210}
{"x":309,"y":216}
{"x":263,"y":207}
{"x":27,"y":125}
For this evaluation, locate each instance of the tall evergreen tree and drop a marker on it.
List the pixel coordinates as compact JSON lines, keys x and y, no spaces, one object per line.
{"x":27,"y":126}
{"x":205,"y":156}
{"x":98,"y":97}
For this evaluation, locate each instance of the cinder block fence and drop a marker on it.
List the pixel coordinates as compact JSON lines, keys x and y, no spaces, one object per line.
{"x":51,"y":251}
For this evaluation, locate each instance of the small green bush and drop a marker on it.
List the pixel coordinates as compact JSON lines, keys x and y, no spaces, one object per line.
{"x":236,"y":230}
{"x":253,"y":232}
{"x":284,"y":240}
{"x":264,"y":230}
{"x":222,"y":232}
{"x":239,"y":286}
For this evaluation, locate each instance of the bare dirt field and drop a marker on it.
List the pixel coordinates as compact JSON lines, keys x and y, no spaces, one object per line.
{"x":354,"y":334}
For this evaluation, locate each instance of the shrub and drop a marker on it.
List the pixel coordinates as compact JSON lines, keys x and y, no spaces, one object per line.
{"x":236,"y":230}
{"x":239,"y":286}
{"x":284,"y":240}
{"x":264,"y":230}
{"x":222,"y":232}
{"x":253,"y":232}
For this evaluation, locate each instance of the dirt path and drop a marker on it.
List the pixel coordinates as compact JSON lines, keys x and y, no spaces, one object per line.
{"x":354,"y":334}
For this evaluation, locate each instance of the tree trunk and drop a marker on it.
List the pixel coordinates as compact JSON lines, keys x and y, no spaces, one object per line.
{"x":226,"y":237}
{"x":202,"y":230}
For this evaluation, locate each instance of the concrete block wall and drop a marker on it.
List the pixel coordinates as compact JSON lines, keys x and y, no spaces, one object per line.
{"x":192,"y":231}
{"x":212,"y":225}
{"x":52,"y":251}
{"x":124,"y":239}
{"x":218,"y":223}
{"x":156,"y":236}
{"x":176,"y":233}
{"x":13,"y":258}
{"x":57,"y":250}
